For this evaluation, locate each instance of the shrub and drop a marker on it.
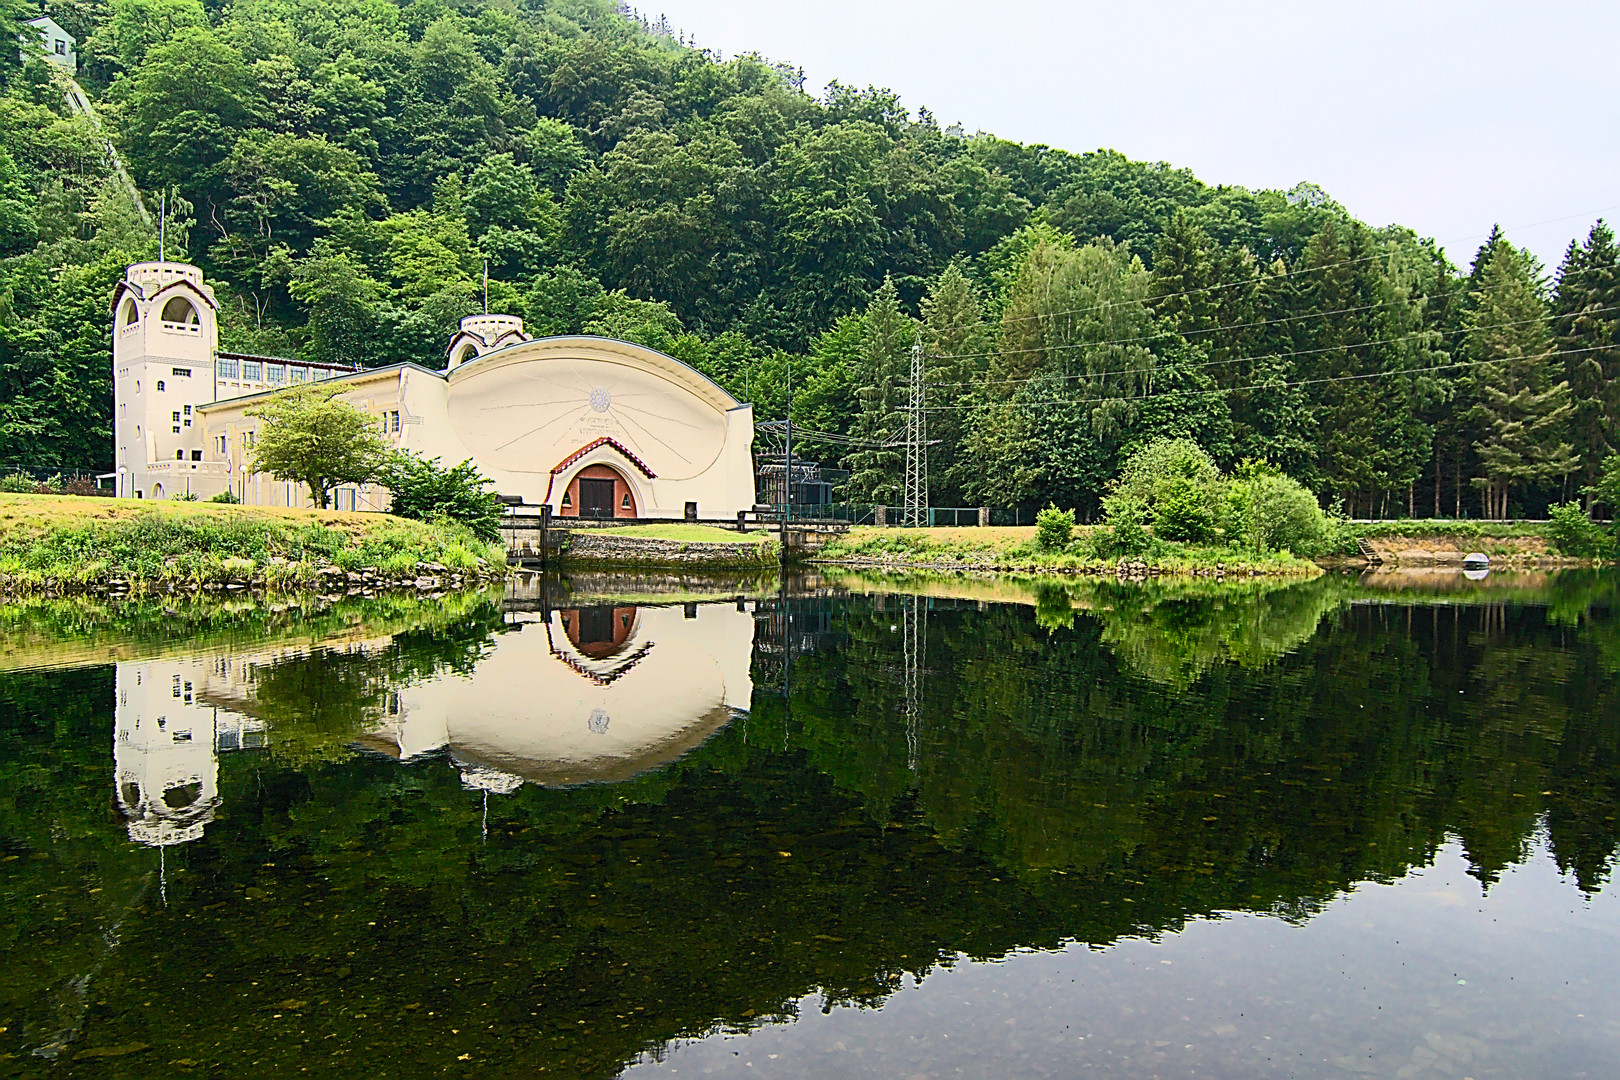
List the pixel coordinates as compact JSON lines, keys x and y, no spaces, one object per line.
{"x":1123,"y":517}
{"x":1160,"y":459}
{"x":184,"y":496}
{"x":18,"y":484}
{"x":1053,"y":529}
{"x":1182,"y":511}
{"x":1279,"y":513}
{"x":424,"y":490}
{"x":1573,"y":533}
{"x":227,"y":496}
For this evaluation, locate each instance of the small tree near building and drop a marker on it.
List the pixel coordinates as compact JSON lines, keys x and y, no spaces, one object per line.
{"x":311,"y":438}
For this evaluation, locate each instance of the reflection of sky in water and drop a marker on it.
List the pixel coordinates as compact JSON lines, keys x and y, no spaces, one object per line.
{"x":1424,"y":977}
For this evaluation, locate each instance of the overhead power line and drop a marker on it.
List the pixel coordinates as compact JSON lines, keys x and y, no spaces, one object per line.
{"x":1257,"y":356}
{"x":1282,"y":385}
{"x":1289,"y":273}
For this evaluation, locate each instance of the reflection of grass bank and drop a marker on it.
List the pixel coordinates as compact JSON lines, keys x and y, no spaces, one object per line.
{"x":55,"y":544}
{"x":1014,"y":549}
{"x":56,"y":632}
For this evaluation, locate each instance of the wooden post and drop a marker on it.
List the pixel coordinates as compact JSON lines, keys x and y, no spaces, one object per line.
{"x":545,"y":522}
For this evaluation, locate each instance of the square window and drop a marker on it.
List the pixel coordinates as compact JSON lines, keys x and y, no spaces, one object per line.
{"x":196,"y":455}
{"x":396,"y":421}
{"x":184,"y":372}
{"x":252,"y":369}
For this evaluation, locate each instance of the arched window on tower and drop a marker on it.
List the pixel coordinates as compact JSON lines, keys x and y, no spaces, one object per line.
{"x":129,"y":316}
{"x":180,"y":315}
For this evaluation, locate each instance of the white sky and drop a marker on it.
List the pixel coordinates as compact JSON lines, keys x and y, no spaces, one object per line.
{"x":1442,"y":115}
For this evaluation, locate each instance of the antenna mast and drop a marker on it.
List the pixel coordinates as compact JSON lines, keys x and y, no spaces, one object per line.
{"x":486,"y":286}
{"x":916,"y":512}
{"x":163,"y":208}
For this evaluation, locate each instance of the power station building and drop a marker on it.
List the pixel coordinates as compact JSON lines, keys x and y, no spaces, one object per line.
{"x":592,"y":427}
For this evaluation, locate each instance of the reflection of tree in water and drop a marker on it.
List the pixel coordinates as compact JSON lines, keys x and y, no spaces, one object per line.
{"x":1058,"y":796}
{"x":318,"y":703}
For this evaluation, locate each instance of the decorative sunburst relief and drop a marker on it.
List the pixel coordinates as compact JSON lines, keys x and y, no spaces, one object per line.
{"x":525,"y":415}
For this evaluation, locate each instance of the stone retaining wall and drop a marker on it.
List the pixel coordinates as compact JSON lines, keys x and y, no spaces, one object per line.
{"x":588,"y":547}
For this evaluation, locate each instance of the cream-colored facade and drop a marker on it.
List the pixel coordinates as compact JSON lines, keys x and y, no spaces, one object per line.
{"x":588,"y":426}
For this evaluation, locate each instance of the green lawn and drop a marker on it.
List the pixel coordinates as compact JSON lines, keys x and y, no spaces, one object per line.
{"x":688,"y":534}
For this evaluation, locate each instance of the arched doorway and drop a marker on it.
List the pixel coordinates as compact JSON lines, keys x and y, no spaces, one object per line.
{"x":600,"y":492}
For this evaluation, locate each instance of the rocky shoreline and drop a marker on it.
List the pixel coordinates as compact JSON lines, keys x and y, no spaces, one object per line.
{"x":428,"y":579}
{"x":1122,"y":569}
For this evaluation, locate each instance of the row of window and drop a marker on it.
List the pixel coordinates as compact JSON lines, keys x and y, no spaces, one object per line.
{"x":259,"y":371}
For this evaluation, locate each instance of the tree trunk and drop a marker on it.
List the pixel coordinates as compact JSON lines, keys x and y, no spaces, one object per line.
{"x":1437,"y":483}
{"x":1411,"y":493}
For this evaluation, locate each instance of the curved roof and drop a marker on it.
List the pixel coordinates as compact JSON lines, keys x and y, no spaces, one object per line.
{"x":610,"y":350}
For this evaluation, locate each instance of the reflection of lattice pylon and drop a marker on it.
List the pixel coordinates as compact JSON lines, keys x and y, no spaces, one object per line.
{"x":913,"y":618}
{"x":916,"y":510}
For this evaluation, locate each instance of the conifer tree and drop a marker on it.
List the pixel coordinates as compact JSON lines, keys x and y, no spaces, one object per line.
{"x":1525,"y":413}
{"x":886,"y":340}
{"x":1586,"y":325}
{"x":955,"y":338}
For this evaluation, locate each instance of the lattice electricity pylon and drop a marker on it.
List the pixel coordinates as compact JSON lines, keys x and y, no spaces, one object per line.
{"x":913,"y":630}
{"x":916,"y":495}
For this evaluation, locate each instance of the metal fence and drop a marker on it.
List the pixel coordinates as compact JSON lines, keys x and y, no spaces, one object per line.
{"x":1018,"y":515}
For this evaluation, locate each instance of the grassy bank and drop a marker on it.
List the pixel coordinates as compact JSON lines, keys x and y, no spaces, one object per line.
{"x":65,"y":543}
{"x":1013,"y":548}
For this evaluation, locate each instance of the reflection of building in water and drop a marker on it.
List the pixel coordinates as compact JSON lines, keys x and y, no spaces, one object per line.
{"x":171,"y":722}
{"x":787,"y":627}
{"x":589,"y":693}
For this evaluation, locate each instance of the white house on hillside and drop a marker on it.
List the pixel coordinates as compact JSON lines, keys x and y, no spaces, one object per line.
{"x":61,"y":47}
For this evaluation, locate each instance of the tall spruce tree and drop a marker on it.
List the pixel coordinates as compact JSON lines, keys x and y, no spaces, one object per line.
{"x":1586,"y":326}
{"x":955,"y":338}
{"x":877,"y":471}
{"x":1524,"y":412}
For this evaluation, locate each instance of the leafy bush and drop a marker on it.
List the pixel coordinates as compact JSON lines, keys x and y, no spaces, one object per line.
{"x":1160,"y":459}
{"x":184,"y":496}
{"x":1123,"y":516}
{"x":1182,"y":511}
{"x":1572,"y":533}
{"x":1053,"y":529}
{"x":227,"y":496}
{"x":18,"y":484}
{"x":424,"y":490}
{"x":1278,"y":513}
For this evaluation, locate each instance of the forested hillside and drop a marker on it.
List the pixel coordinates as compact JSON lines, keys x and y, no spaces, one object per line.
{"x":343,"y":170}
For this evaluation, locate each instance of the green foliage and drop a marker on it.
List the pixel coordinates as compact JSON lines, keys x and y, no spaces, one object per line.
{"x":424,"y":490}
{"x":1124,"y":517}
{"x":1182,"y":511}
{"x":1271,"y":512}
{"x":311,"y":437}
{"x":227,"y":496}
{"x":1571,"y":532}
{"x":1053,"y":529}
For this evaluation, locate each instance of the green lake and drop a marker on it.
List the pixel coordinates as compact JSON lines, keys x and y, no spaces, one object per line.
{"x":834,"y":826}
